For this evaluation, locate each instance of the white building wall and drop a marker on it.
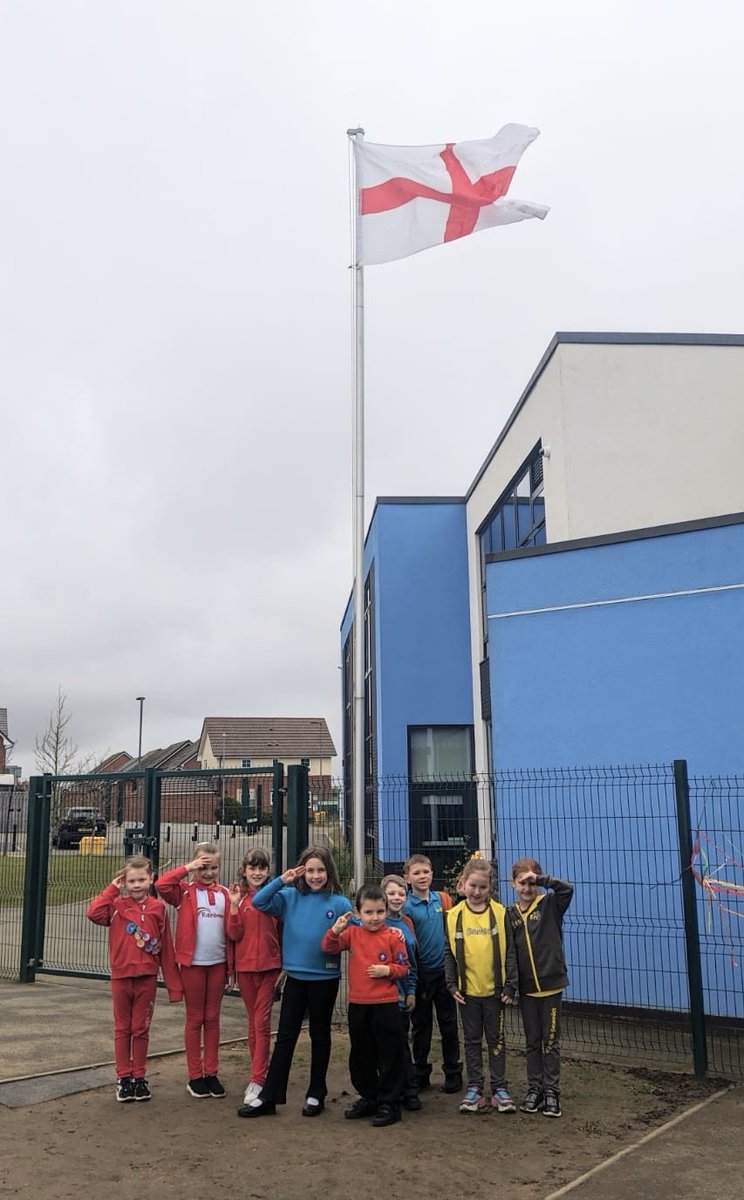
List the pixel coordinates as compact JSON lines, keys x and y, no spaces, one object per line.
{"x":638,"y":435}
{"x":652,"y":435}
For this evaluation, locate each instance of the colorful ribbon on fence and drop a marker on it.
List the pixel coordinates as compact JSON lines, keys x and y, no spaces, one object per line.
{"x":721,"y":892}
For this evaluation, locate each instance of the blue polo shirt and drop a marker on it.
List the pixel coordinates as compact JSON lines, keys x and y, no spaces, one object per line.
{"x":407,"y":986}
{"x":429,"y":925}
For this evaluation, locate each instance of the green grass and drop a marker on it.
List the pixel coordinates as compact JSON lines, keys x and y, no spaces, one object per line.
{"x":72,"y":876}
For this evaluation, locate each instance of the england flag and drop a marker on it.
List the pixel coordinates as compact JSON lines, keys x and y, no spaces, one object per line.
{"x":413,"y":197}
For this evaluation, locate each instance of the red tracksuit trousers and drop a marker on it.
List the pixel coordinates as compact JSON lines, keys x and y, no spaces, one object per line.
{"x":257,"y":990}
{"x":203,"y":989}
{"x":133,"y":1000}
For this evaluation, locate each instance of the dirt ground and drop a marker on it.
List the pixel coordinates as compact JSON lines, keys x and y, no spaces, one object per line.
{"x":175,"y":1146}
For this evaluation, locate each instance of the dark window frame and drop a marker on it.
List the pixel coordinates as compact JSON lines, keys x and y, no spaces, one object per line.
{"x":507,"y":510}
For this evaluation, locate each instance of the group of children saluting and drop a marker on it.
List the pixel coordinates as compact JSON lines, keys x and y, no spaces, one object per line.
{"x":411,"y":953}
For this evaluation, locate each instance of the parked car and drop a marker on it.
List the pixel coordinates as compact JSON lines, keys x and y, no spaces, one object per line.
{"x":76,"y":824}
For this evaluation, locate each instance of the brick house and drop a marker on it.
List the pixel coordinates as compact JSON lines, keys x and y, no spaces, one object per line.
{"x":6,"y":742}
{"x":257,"y":741}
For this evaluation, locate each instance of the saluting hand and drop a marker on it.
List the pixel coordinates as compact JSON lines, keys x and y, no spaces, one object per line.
{"x":293,"y":873}
{"x":341,"y":922}
{"x":201,"y":860}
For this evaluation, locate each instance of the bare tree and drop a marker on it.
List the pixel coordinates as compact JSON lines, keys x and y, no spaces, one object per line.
{"x":55,"y":752}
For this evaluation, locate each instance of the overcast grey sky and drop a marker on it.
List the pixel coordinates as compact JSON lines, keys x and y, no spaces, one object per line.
{"x":174,"y":333}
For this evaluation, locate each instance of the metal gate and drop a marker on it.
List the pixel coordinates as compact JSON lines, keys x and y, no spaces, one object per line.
{"x":70,"y":856}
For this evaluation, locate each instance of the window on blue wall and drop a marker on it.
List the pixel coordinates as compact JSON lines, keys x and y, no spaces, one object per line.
{"x":442,"y":800}
{"x":516,"y":521}
{"x":438,"y":751}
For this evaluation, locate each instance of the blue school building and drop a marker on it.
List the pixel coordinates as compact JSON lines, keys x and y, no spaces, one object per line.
{"x":580,"y":605}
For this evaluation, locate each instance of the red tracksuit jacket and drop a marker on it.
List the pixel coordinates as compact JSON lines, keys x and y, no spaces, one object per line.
{"x":175,"y":889}
{"x":133,"y":927}
{"x":256,"y":937}
{"x":385,"y":946}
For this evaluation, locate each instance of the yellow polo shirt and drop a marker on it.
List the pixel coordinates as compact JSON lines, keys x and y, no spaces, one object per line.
{"x":478,"y":946}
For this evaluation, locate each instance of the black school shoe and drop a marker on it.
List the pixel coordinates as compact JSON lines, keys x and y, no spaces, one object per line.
{"x":361,"y":1108}
{"x":387,"y":1114}
{"x":412,"y":1103}
{"x":452,"y":1084}
{"x":264,"y":1108}
{"x":313,"y":1110}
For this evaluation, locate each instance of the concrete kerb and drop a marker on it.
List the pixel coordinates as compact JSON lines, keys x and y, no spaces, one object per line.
{"x":24,"y":1090}
{"x":101,"y":1065}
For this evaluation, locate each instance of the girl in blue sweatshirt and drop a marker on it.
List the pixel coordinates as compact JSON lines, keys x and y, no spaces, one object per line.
{"x":306,"y":900}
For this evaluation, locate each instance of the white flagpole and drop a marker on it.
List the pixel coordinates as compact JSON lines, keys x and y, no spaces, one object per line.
{"x":357,"y":484}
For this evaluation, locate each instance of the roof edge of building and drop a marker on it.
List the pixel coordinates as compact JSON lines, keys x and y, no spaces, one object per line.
{"x":621,"y":535}
{"x":585,"y":338}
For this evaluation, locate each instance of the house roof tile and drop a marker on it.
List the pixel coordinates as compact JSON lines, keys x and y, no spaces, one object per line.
{"x":269,"y":737}
{"x":169,"y":758}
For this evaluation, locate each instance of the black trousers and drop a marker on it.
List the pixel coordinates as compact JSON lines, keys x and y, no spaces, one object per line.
{"x":432,"y":995}
{"x":315,"y":997}
{"x":541,"y":1018}
{"x":377,"y":1058}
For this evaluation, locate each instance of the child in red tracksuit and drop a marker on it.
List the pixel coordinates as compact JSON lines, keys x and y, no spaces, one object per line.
{"x":258,"y":961}
{"x":139,"y":943}
{"x":204,"y":954}
{"x":377,"y":958}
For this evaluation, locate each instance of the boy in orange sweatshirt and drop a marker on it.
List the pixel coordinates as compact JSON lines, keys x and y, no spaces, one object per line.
{"x":139,"y":944}
{"x":377,"y":959}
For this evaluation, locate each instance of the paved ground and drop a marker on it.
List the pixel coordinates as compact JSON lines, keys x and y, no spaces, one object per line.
{"x":60,"y":1023}
{"x":695,"y":1156}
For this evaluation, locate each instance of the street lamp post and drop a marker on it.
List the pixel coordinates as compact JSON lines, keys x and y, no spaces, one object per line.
{"x":222,"y":776}
{"x":320,"y":757}
{"x":140,"y":700}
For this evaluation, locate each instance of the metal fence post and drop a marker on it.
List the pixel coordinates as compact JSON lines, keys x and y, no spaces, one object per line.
{"x":245,"y":800}
{"x":298,"y":798}
{"x":27,"y":973}
{"x":689,"y":907}
{"x":45,"y":815}
{"x":277,"y":816}
{"x":151,"y":818}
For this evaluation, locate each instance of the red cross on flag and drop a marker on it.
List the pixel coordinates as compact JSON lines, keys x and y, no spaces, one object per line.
{"x":413,"y":197}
